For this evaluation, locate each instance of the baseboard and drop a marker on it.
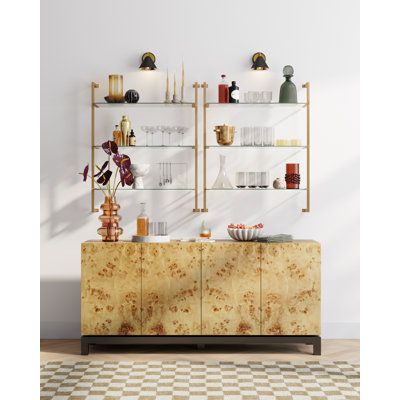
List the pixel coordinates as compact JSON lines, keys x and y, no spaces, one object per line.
{"x":71,"y":330}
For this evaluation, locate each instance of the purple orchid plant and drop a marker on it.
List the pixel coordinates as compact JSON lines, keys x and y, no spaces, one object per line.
{"x":105,"y":181}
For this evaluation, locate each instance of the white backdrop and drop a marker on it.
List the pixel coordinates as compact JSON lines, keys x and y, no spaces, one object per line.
{"x":84,"y":41}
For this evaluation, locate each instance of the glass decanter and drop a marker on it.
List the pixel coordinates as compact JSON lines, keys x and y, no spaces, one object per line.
{"x":222,"y":181}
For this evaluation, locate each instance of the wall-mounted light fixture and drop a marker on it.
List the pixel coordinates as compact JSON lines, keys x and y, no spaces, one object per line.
{"x":259,"y":63}
{"x":148,"y":62}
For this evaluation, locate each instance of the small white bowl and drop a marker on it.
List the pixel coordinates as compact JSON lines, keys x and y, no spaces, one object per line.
{"x":244,"y":235}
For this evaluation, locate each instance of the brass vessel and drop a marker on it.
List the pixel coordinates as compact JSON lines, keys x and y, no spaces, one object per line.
{"x":225,"y":134}
{"x":110,"y":230}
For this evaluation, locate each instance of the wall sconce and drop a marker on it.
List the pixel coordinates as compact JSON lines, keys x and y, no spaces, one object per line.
{"x":259,"y":63}
{"x":148,"y":60}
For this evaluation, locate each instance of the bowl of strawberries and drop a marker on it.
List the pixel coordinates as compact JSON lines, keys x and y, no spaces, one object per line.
{"x":244,"y":233}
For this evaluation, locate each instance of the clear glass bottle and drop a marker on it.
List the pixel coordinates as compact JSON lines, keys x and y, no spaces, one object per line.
{"x":222,"y":181}
{"x":223,"y":90}
{"x":142,"y":221}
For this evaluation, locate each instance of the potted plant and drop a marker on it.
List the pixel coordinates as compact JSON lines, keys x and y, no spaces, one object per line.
{"x":108,"y":182}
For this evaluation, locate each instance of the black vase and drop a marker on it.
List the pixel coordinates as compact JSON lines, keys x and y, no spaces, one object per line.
{"x":131,"y":96}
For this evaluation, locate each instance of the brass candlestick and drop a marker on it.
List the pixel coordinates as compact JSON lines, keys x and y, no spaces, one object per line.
{"x":167,"y":95}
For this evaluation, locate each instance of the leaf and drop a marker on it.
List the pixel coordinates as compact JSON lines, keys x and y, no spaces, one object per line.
{"x":122,"y":161}
{"x":103,"y":180}
{"x":85,"y":173}
{"x":103,"y":167}
{"x":110,"y":147}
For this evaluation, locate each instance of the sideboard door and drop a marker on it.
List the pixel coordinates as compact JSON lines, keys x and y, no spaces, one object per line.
{"x":171,"y":288}
{"x":290,"y":288}
{"x":110,"y":289}
{"x":231,"y":288}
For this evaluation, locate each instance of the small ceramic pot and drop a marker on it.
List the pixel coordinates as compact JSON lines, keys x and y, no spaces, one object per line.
{"x":279,"y":183}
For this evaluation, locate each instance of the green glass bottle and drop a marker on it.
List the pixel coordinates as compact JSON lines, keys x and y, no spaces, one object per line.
{"x":288,"y":92}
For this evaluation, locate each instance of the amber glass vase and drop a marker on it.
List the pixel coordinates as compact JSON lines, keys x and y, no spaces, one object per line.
{"x":110,"y":230}
{"x":115,"y":89}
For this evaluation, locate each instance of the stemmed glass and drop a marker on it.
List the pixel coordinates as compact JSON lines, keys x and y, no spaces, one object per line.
{"x":181,"y":130}
{"x":169,"y":130}
{"x":146,"y":129}
{"x":162,"y":129}
{"x":152,"y":131}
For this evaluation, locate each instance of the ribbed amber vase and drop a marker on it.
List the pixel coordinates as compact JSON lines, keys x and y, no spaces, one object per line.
{"x":110,"y":230}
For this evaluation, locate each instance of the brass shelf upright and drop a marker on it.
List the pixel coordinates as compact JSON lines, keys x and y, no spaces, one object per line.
{"x":307,"y":87}
{"x":92,"y":143}
{"x":195,"y":105}
{"x":205,"y":106}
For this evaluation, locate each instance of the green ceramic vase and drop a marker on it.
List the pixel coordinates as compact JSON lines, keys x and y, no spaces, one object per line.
{"x":288,"y":92}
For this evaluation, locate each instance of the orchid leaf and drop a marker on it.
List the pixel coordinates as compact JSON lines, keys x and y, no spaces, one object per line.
{"x":103,"y":167}
{"x":110,"y":147}
{"x":103,"y":179}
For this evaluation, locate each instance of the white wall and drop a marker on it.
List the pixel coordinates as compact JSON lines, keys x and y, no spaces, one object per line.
{"x":84,"y":41}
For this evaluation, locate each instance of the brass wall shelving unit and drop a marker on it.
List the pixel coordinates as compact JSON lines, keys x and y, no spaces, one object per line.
{"x":296,"y":106}
{"x":195,"y":147}
{"x":95,"y":105}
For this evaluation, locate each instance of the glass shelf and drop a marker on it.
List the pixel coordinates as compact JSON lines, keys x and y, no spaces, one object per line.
{"x":131,"y":189}
{"x":150,"y":147}
{"x":101,"y":104}
{"x":257,"y":147}
{"x":273,"y":104}
{"x":260,"y":189}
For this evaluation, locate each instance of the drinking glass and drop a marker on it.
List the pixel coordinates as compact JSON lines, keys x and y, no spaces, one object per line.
{"x":162,"y":129}
{"x":264,"y":179}
{"x":162,"y":228}
{"x":268,"y":136}
{"x":240,"y":180}
{"x":145,"y":128}
{"x":251,"y":179}
{"x":258,"y":138}
{"x":266,"y":97}
{"x":152,"y":130}
{"x":152,"y":228}
{"x":181,"y":130}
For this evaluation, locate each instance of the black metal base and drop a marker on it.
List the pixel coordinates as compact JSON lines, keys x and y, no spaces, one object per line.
{"x":200,"y":341}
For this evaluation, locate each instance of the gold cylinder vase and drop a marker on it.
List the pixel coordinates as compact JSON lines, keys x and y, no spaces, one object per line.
{"x":225,"y":134}
{"x":110,"y":230}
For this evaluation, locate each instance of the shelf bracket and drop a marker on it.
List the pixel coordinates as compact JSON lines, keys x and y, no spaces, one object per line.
{"x":307,"y":87}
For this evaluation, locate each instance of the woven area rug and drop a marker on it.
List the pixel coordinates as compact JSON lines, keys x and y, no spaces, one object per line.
{"x":191,"y":380}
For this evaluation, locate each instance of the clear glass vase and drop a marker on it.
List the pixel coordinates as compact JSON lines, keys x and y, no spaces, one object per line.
{"x":222,"y":181}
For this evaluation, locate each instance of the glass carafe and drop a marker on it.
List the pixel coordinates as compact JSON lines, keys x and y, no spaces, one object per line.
{"x":142,"y":221}
{"x":222,"y":181}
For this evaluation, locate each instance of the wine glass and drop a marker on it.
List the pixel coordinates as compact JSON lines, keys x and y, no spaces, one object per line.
{"x":162,"y":129}
{"x":181,"y":130}
{"x":145,"y":128}
{"x":152,"y":131}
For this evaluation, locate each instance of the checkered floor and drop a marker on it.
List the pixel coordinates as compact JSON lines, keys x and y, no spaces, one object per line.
{"x":192,"y":380}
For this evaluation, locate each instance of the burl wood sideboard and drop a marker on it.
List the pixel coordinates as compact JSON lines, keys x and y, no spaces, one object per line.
{"x":179,"y":292}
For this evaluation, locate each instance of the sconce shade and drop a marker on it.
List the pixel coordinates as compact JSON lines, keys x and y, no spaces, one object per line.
{"x":259,"y":63}
{"x":148,"y":62}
